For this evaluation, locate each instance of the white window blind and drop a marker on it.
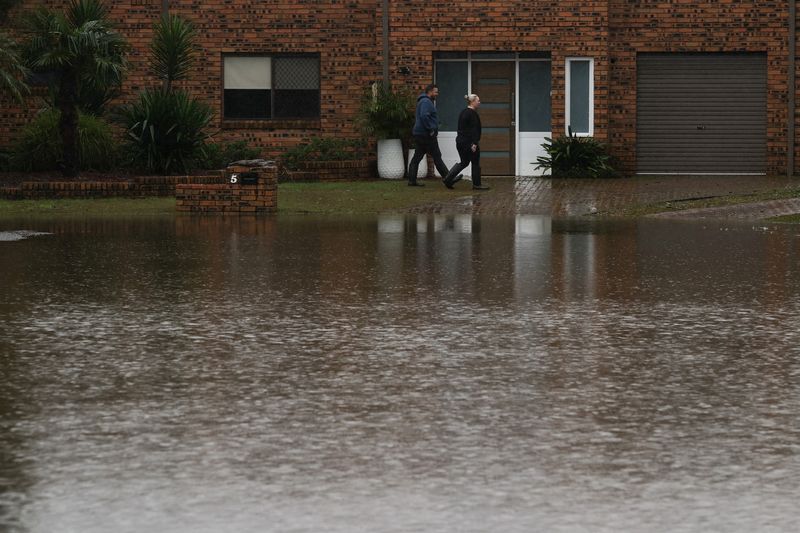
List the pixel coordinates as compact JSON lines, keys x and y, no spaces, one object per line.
{"x":248,"y":73}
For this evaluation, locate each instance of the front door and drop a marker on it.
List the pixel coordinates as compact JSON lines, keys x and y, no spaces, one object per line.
{"x":493,"y":82}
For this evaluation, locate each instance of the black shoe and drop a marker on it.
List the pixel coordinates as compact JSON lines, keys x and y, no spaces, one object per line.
{"x":415,"y":184}
{"x":480,"y":187}
{"x":449,"y":182}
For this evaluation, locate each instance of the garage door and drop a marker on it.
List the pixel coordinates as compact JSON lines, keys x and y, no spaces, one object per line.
{"x":701,"y":113}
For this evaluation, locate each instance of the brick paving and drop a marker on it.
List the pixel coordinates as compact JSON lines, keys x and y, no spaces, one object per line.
{"x":609,"y":197}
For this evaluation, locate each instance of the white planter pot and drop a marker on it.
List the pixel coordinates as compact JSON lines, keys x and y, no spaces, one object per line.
{"x":390,"y":159}
{"x":422,"y":172}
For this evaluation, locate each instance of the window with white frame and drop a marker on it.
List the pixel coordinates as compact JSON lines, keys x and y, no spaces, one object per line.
{"x":267,"y":87}
{"x":580,"y":95}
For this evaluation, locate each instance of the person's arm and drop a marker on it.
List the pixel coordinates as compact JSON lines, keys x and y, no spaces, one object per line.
{"x":474,"y":129}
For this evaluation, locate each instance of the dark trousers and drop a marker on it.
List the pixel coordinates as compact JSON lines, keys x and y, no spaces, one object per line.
{"x":468,"y":157}
{"x":426,"y":145}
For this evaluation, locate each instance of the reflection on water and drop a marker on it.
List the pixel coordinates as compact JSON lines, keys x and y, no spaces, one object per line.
{"x":424,"y":373}
{"x":19,"y":234}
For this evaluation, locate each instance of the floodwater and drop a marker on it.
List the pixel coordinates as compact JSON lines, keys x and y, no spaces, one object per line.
{"x":399,"y":374}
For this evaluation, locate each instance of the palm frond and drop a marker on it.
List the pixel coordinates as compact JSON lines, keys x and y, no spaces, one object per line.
{"x":80,"y":12}
{"x":12,"y":69}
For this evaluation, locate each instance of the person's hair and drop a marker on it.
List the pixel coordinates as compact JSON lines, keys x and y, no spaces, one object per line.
{"x":470,"y":98}
{"x":430,"y":87}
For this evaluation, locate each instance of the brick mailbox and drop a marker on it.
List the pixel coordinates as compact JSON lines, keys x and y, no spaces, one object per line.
{"x":243,"y":190}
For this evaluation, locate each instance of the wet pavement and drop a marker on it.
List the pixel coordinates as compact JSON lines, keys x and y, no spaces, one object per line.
{"x":581,"y":197}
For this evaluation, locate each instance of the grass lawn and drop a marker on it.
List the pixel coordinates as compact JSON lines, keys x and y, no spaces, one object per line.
{"x":110,"y":207}
{"x":357,"y":197}
{"x":786,"y":219}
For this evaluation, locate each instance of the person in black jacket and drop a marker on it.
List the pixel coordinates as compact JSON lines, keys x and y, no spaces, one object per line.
{"x":468,"y":145}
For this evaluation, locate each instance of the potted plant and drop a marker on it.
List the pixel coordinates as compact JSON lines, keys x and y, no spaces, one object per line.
{"x":388,"y":116}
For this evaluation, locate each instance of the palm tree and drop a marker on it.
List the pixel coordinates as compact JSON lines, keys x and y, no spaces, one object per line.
{"x":12,"y":71}
{"x":84,"y":56}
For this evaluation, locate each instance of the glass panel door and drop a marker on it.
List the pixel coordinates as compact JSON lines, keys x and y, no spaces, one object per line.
{"x":494,"y":83}
{"x":452,"y":78}
{"x":534,"y":96}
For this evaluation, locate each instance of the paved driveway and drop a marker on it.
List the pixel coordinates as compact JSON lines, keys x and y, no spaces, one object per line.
{"x":579,"y":197}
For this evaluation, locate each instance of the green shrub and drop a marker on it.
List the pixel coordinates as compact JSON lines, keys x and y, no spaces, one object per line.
{"x":571,"y":156}
{"x":387,"y":114}
{"x":39,"y":146}
{"x":220,"y":155}
{"x":323,"y":149}
{"x":165,"y":131}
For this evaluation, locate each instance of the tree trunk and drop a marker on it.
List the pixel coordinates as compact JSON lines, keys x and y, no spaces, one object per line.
{"x":68,"y":124}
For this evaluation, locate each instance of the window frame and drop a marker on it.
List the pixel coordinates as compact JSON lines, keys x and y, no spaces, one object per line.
{"x":272,"y":119}
{"x":568,"y":99}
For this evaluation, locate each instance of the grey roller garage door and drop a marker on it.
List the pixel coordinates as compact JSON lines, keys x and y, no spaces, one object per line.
{"x":701,"y":113}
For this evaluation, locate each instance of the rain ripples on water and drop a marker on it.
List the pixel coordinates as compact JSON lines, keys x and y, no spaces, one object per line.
{"x":442,"y":373}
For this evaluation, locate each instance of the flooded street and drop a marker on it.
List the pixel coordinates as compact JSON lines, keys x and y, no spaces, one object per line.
{"x":442,"y":373}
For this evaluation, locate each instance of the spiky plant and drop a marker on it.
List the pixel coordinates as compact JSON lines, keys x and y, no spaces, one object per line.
{"x":166,"y":131}
{"x":172,"y":51}
{"x":167,"y":128}
{"x":570,"y":156}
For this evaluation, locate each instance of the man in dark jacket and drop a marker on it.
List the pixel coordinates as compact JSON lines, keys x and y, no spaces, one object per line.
{"x":425,"y":132}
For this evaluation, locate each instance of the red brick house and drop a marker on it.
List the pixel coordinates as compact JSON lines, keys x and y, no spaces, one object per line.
{"x":672,"y":86}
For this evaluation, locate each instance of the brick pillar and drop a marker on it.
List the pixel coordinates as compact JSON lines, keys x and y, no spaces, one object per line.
{"x":235,"y":198}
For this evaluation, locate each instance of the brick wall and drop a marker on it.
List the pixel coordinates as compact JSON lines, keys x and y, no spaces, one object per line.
{"x":231,"y":198}
{"x":342,"y":32}
{"x":797,"y":99}
{"x":690,"y":26}
{"x":346,"y":35}
{"x":567,"y":28}
{"x":133,"y":18}
{"x":140,"y":186}
{"x":334,"y":171}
